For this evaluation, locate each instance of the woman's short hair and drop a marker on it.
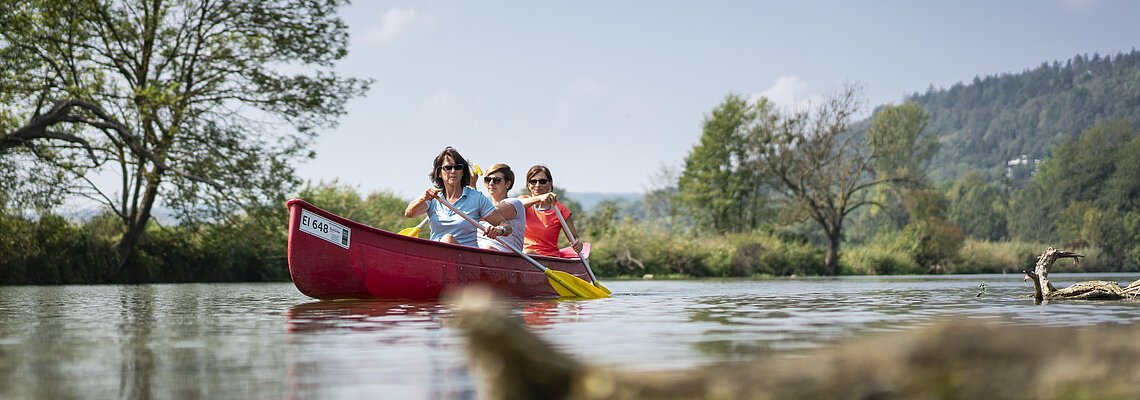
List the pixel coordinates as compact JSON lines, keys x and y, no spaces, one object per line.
{"x":508,"y":175}
{"x":448,"y":151}
{"x":539,"y":168}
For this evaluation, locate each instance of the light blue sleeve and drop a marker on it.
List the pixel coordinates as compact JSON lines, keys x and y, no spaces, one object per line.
{"x":486,"y":207}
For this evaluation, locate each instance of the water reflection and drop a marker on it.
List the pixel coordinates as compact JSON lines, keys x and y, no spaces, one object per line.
{"x":364,"y":315}
{"x":396,"y":348}
{"x":150,"y":341}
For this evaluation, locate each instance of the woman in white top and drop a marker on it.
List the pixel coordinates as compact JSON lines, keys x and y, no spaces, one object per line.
{"x":499,"y":180}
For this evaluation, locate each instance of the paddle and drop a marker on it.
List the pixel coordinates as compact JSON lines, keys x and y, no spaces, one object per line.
{"x":566,"y":228}
{"x":565,"y":284}
{"x":414,"y":232}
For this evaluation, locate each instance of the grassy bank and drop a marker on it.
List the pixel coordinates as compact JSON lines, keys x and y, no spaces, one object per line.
{"x":634,"y":250}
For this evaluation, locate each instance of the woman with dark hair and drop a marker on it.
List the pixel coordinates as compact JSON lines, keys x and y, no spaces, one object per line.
{"x":451,"y":179}
{"x":542,"y":224}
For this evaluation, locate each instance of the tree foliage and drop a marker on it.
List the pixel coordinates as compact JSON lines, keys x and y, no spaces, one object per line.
{"x":382,"y":210}
{"x":187,"y":101}
{"x":984,"y":123}
{"x":899,"y":144}
{"x":812,"y":159}
{"x":896,"y":140}
{"x":978,"y":207}
{"x":720,"y":186}
{"x":1086,"y":192}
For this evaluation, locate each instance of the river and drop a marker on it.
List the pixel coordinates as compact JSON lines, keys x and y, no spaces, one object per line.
{"x":254,"y":341}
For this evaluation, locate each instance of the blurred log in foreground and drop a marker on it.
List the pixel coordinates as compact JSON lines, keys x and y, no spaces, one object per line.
{"x":1090,"y":290}
{"x":954,"y":360}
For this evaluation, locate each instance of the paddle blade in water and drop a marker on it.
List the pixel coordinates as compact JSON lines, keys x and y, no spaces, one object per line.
{"x":602,"y":288}
{"x":571,"y":286}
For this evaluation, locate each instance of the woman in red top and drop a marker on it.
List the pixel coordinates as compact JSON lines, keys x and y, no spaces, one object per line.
{"x":542,"y":225}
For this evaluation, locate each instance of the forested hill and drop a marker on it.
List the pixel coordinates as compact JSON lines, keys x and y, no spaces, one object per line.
{"x":984,"y":124}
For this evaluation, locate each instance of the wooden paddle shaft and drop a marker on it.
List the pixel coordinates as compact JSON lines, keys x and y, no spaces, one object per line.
{"x":570,"y":236}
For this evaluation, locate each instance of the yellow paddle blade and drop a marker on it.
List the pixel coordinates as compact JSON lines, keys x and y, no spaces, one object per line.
{"x":571,"y":286}
{"x":602,"y":288}
{"x":413,"y":232}
{"x":563,"y":290}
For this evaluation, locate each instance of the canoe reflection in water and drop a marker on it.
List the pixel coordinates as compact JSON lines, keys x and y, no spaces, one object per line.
{"x":383,"y":346}
{"x":376,"y":348}
{"x":364,"y":315}
{"x":377,"y":315}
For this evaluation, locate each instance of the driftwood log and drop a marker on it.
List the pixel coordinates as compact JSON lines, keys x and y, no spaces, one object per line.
{"x":1089,"y":290}
{"x":952,"y":360}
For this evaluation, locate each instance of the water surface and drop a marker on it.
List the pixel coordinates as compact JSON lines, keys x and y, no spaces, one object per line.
{"x":270,"y":341}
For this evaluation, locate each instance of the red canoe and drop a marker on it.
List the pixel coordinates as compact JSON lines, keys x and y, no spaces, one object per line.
{"x":331,"y":257}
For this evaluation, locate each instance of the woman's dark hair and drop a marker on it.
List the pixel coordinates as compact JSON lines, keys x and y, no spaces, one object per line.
{"x":433,"y":176}
{"x":539,"y":168}
{"x":508,"y":175}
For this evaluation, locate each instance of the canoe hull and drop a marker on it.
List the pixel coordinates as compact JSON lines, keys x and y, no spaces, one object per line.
{"x":331,"y":257}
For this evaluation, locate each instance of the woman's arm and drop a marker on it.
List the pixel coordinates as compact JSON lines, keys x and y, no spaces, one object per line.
{"x":547,"y":198}
{"x":419,"y":205}
{"x":507,"y":210}
{"x":501,"y":226}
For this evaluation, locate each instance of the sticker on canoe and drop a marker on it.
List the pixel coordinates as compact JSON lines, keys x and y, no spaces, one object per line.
{"x":321,"y":227}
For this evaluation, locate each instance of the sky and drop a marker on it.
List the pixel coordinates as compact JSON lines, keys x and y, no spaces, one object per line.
{"x":607,"y":93}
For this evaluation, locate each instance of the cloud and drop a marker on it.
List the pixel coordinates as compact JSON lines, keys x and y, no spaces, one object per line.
{"x":789,"y":93}
{"x":393,"y":23}
{"x":1080,"y":4}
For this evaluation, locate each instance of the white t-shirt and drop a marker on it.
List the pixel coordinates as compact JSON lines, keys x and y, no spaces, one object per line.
{"x":518,"y":228}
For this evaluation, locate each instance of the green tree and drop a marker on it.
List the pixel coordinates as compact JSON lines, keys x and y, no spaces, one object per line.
{"x":898,"y":151}
{"x":815,"y":163}
{"x":930,"y":238}
{"x":897,"y":148}
{"x":1122,"y":190}
{"x":1031,"y":218}
{"x":719,"y":185}
{"x":977,"y":207}
{"x":661,"y":201}
{"x":1079,"y":169}
{"x":149,"y":91}
{"x":1085,"y":192}
{"x":382,"y":210}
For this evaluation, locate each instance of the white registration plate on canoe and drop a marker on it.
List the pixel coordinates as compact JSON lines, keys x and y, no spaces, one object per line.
{"x":321,"y":227}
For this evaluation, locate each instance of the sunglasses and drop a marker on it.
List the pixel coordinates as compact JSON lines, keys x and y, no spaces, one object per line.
{"x":452,"y":167}
{"x":493,"y":179}
{"x":539,"y":181}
